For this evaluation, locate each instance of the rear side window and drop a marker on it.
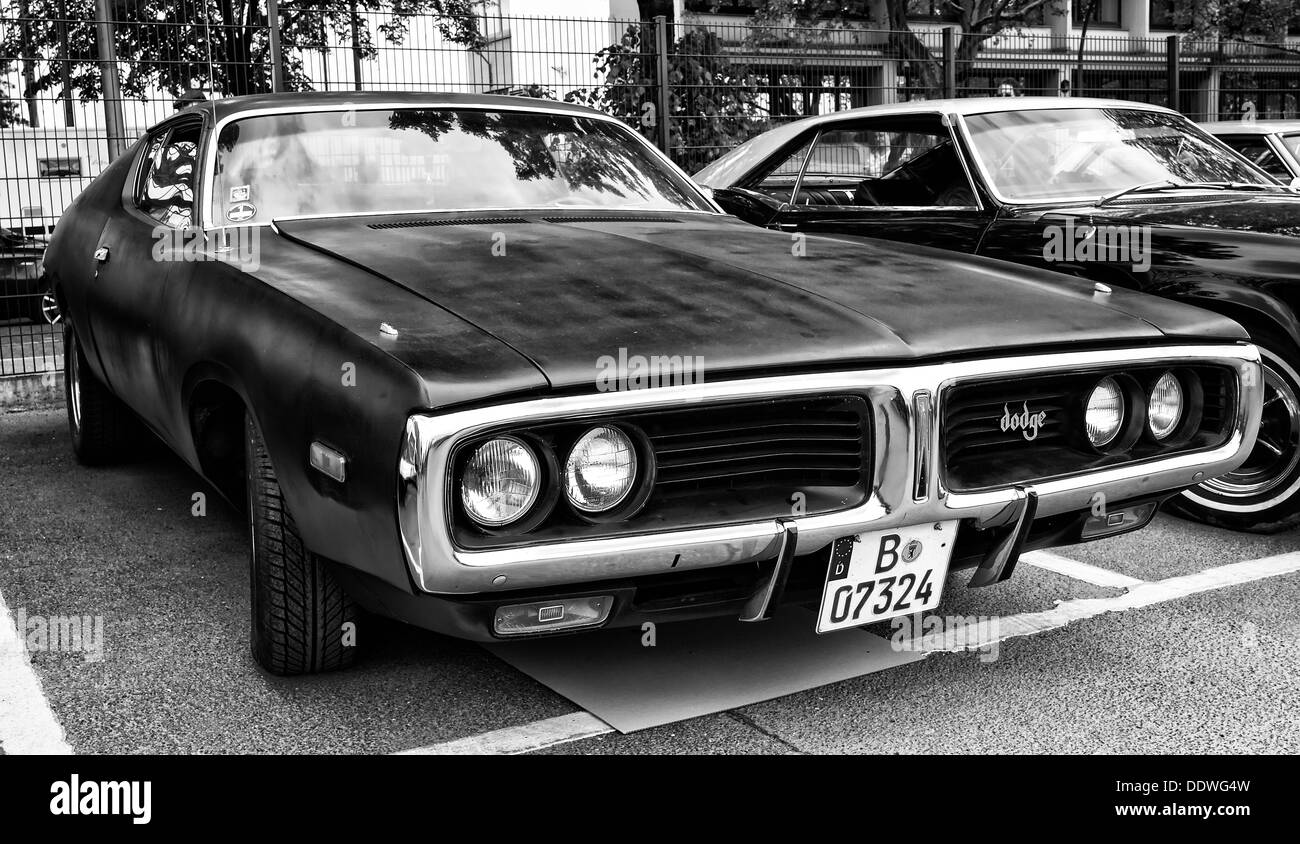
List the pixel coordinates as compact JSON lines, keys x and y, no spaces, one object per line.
{"x":166,"y":187}
{"x":1256,"y":148}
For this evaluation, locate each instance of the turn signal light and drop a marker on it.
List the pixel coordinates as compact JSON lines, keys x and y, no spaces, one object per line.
{"x":1118,"y":520}
{"x":549,"y":616}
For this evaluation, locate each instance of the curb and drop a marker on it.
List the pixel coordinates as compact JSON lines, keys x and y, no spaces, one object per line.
{"x":31,"y":392}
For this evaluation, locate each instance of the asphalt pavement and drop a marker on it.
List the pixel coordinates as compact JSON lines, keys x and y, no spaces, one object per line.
{"x":1213,"y":671}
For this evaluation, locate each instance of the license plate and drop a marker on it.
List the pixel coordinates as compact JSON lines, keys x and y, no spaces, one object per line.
{"x":884,"y":574}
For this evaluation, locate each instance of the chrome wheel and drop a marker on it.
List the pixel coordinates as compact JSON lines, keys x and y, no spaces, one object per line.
{"x":50,"y":309}
{"x":74,"y":382}
{"x":1277,"y":450}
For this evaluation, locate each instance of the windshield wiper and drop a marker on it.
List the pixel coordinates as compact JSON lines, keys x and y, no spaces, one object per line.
{"x":1168,"y":184}
{"x":1145,"y":187}
{"x":1239,"y":186}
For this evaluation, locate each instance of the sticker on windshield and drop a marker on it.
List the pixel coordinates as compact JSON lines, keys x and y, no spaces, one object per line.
{"x":240,"y":193}
{"x":241,"y":212}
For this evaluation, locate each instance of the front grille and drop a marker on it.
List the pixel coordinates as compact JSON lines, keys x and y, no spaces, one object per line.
{"x":816,"y":443}
{"x":718,"y":465}
{"x":979,"y":451}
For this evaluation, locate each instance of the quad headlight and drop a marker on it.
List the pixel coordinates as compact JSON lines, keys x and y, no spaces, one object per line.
{"x":500,"y":482}
{"x":600,"y":471}
{"x":1104,"y":414}
{"x":1165,"y":406}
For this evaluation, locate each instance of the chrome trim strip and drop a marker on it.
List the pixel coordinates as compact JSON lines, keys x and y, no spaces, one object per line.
{"x":923,"y":436}
{"x":761,"y":604}
{"x":438,"y":565}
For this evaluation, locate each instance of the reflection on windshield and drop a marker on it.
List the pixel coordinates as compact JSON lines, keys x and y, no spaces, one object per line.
{"x":321,"y":163}
{"x":1091,"y":152}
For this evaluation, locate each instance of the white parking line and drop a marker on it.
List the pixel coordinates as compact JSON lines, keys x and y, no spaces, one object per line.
{"x":522,"y":739}
{"x":1080,"y":571}
{"x":580,"y":725}
{"x":27,"y":724}
{"x":1144,"y":594}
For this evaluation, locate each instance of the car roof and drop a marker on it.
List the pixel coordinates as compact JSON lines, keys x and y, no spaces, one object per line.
{"x":1257,"y":127}
{"x":221,"y":109}
{"x":977,"y":105}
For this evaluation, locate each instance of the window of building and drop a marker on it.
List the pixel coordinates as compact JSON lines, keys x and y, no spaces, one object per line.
{"x":1104,"y":12}
{"x":1162,"y":14}
{"x":58,"y":168}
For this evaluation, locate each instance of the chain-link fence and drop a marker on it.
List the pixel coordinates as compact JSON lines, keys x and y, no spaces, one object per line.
{"x":696,"y":87}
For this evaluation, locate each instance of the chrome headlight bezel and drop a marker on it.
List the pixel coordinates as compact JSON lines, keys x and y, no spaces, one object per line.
{"x":568,"y":480}
{"x":1166,"y":381}
{"x":535,"y":495}
{"x":1112,"y":385}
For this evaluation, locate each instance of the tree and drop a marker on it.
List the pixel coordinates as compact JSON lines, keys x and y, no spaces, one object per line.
{"x":979,"y":21}
{"x":223,"y":45}
{"x":1254,"y":20}
{"x":712,"y":104}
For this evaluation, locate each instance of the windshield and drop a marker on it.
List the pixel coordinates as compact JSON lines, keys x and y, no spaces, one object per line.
{"x":322,"y":163}
{"x":1087,"y":153}
{"x":1292,"y":142}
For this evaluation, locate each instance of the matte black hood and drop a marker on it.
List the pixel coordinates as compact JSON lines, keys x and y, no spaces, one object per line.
{"x":563,"y":294}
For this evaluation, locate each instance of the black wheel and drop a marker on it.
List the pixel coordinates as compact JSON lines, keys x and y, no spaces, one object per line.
{"x":103,"y":429}
{"x":1263,"y":494}
{"x":303,"y":621}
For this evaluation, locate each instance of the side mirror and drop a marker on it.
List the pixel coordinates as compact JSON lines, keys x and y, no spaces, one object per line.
{"x":751,"y":206}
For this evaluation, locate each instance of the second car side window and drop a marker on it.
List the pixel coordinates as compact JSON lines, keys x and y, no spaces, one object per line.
{"x":906,"y":162}
{"x":1257,"y":150}
{"x":166,"y":190}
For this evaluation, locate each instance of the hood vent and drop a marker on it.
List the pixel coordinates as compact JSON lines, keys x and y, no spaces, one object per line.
{"x":476,"y":221}
{"x":611,"y":218}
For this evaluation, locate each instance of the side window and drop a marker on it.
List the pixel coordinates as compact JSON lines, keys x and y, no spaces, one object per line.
{"x":166,"y":188}
{"x":779,"y":181}
{"x":1255,"y":148}
{"x":890,"y":162}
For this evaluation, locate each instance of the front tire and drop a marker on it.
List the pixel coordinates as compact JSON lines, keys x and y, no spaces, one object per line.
{"x":103,"y":430}
{"x":1263,"y":494}
{"x":301,"y":616}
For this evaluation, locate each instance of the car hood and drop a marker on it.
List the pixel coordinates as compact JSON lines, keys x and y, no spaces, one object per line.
{"x":566,"y":291}
{"x":1275,"y":213}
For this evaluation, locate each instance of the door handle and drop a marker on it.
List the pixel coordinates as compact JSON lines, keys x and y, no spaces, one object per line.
{"x":101,"y":255}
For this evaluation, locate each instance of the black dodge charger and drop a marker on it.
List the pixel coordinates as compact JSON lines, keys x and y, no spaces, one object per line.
{"x":496,"y":367}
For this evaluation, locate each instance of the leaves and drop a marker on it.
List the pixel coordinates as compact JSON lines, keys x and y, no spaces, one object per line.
{"x":221,"y":45}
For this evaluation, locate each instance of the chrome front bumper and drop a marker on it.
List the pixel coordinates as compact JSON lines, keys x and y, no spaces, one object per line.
{"x":907,"y":484}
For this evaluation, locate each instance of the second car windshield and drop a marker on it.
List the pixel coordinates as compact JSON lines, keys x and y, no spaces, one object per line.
{"x":339,"y":162}
{"x":1087,"y":153}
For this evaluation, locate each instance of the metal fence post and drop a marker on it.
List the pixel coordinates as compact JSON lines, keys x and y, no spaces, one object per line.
{"x":949,"y":64}
{"x":277,"y":60}
{"x":113,"y":123}
{"x":663,"y":135}
{"x":1173,"y":49}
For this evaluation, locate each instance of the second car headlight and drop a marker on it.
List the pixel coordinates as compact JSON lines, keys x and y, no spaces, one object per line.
{"x":1104,"y":414}
{"x":1165,"y":406}
{"x":500,"y":482}
{"x":601,"y":470}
